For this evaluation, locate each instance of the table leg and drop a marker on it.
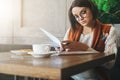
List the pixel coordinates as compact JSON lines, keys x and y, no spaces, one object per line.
{"x":15,"y":77}
{"x":25,"y":78}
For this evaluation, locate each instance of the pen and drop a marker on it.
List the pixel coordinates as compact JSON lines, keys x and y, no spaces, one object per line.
{"x":65,"y":43}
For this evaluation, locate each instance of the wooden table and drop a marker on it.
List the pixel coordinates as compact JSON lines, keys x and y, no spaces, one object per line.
{"x":53,"y":68}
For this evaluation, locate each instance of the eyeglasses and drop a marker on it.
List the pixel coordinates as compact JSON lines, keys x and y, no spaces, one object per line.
{"x":82,"y":15}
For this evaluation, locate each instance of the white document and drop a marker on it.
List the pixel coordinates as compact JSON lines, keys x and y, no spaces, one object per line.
{"x":52,"y":37}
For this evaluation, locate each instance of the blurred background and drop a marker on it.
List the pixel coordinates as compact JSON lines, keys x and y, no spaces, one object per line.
{"x":21,"y":19}
{"x":109,"y":11}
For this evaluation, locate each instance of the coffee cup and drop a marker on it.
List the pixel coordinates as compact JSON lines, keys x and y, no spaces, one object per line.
{"x":41,"y":48}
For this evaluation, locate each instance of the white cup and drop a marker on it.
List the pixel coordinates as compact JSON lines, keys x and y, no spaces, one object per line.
{"x":41,"y":48}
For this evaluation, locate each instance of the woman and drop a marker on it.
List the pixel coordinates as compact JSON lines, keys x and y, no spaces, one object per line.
{"x":87,"y":33}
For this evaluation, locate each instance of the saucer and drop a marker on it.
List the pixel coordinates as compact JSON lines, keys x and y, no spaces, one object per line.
{"x":21,"y":51}
{"x":37,"y":55}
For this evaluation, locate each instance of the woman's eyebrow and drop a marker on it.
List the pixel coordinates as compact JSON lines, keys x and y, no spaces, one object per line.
{"x":83,"y":9}
{"x":75,"y":15}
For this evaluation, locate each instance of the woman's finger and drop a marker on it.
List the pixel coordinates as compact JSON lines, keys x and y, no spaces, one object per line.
{"x":67,"y":49}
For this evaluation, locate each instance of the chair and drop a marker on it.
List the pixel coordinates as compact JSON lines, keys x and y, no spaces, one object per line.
{"x":115,"y":70}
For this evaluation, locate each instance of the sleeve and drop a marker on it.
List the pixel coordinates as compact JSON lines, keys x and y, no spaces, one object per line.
{"x":111,"y":46}
{"x":111,"y":41}
{"x":66,"y":34}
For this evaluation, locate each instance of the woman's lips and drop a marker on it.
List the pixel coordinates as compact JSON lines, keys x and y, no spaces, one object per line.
{"x":83,"y":22}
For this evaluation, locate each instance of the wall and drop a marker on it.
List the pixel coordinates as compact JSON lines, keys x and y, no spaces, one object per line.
{"x":6,"y":27}
{"x":21,"y":25}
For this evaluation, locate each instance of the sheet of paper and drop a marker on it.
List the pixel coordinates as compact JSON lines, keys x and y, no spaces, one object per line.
{"x":52,"y":37}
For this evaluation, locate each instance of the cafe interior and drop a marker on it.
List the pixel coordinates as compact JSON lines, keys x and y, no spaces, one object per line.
{"x":21,"y":23}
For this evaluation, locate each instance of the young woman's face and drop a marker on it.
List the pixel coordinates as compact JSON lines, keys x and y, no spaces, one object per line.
{"x":82,"y":15}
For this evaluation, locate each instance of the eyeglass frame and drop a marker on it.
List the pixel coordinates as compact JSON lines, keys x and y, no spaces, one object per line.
{"x":82,"y":14}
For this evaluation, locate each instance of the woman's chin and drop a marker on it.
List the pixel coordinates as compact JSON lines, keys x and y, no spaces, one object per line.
{"x":84,"y":24}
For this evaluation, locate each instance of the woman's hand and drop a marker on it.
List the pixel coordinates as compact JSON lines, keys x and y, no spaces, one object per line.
{"x":74,"y":46}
